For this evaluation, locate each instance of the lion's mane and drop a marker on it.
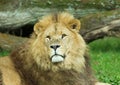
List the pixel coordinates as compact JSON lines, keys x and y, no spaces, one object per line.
{"x":35,"y":68}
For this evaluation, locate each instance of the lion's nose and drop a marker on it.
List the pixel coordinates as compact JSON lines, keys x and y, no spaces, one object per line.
{"x":54,"y":46}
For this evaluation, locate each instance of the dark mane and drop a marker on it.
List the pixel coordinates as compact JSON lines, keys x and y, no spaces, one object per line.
{"x":55,"y":17}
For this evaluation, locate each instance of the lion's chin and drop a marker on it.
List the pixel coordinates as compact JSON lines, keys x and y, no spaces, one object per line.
{"x":57,"y":58}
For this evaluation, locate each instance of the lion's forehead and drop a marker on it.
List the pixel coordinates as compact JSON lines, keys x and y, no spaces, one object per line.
{"x":57,"y":29}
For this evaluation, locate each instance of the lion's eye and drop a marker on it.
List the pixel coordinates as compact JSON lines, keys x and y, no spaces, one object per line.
{"x":63,"y":35}
{"x":74,"y":26}
{"x":48,"y":37}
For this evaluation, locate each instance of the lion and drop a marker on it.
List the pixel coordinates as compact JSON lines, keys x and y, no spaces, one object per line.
{"x":55,"y":54}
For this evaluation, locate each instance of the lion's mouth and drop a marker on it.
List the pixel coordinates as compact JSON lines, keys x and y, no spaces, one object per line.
{"x":57,"y":58}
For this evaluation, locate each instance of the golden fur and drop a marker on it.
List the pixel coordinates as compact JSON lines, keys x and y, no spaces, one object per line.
{"x":54,"y":55}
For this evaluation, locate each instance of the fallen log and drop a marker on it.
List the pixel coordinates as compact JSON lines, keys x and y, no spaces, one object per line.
{"x":9,"y":42}
{"x":111,"y":29}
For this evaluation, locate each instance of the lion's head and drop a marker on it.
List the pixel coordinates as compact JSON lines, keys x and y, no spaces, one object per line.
{"x":57,"y":43}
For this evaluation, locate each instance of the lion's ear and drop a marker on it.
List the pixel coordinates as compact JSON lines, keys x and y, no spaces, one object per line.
{"x":37,"y":28}
{"x":75,"y":24}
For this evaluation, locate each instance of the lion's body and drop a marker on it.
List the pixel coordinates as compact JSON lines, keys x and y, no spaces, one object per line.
{"x":55,"y":55}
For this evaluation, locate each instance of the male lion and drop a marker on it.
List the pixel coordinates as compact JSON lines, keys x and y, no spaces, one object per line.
{"x":55,"y":55}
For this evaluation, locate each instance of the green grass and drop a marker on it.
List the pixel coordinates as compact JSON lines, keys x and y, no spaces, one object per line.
{"x":105,"y":58}
{"x":4,"y":53}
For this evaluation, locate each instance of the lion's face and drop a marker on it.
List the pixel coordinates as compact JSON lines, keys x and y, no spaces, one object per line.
{"x":58,"y":42}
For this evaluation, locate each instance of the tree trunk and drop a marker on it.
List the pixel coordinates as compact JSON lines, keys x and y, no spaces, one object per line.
{"x":111,"y":29}
{"x":9,"y":42}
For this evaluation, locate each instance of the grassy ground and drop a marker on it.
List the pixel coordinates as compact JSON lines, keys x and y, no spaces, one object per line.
{"x":105,"y":58}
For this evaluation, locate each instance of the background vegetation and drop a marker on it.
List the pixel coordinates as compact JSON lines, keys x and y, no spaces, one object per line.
{"x":105,"y":58}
